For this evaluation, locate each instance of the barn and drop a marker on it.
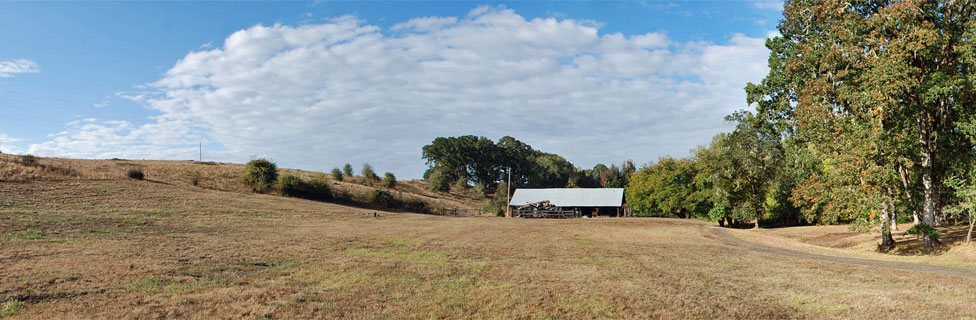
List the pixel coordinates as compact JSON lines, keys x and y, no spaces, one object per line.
{"x":568,"y":202}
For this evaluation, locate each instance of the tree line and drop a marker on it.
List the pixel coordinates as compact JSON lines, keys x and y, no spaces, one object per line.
{"x":478,"y":161}
{"x":866,"y":116}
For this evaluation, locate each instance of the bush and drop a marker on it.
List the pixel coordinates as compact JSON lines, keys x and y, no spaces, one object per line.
{"x":389,"y":180}
{"x":347,"y":170}
{"x":260,"y":175}
{"x":336,"y":174}
{"x":415,"y":205}
{"x":436,"y":180}
{"x":494,"y":208}
{"x":369,"y":174}
{"x":135,"y":173}
{"x":922,"y":229}
{"x":384,"y":199}
{"x":29,"y":161}
{"x":317,"y":189}
{"x":461,"y":184}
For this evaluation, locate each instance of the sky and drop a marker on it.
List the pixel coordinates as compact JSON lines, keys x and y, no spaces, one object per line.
{"x":315,"y":85}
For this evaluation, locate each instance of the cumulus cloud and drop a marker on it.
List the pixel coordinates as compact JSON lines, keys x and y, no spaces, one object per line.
{"x":317,"y":96}
{"x":9,"y":68}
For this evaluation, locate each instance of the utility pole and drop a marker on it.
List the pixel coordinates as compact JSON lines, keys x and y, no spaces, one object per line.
{"x":508,"y":193}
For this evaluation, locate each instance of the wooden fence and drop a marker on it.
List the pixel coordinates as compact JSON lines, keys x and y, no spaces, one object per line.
{"x":462,"y":212}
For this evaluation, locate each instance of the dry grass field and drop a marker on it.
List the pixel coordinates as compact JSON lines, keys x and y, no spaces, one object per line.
{"x":110,"y":247}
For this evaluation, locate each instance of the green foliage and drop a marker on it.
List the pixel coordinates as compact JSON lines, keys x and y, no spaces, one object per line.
{"x":337,"y":174}
{"x":369,"y":174}
{"x":667,"y":189}
{"x":260,"y":175}
{"x":415,"y":205}
{"x":29,"y":234}
{"x":460,"y":185}
{"x":10,"y":308}
{"x":923,"y":230}
{"x":389,"y":180}
{"x":384,"y":199}
{"x":317,"y":189}
{"x":437,"y":180}
{"x":481,"y":161}
{"x":135,"y":173}
{"x":347,"y":170}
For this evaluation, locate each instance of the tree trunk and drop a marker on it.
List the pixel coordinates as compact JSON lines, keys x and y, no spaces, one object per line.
{"x":887,"y":241}
{"x":969,"y":235}
{"x":721,"y":222}
{"x":931,"y":194}
{"x":894,"y":220}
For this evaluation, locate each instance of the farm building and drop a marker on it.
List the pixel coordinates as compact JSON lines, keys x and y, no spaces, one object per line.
{"x":568,"y":202}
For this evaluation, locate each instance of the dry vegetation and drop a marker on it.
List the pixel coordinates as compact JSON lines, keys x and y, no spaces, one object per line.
{"x":207,"y":175}
{"x":84,"y":248}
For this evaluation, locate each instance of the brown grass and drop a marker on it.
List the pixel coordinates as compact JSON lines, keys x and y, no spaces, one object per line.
{"x":209,"y":175}
{"x":143,"y":249}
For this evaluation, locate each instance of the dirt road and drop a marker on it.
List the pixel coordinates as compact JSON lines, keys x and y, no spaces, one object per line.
{"x":727,"y":237}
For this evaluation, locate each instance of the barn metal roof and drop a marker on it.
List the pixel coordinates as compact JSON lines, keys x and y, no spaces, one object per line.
{"x":570,"y":197}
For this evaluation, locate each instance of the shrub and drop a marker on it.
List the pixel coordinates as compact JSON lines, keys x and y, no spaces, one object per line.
{"x":369,"y":174}
{"x":493,"y":208}
{"x":461,"y":184}
{"x":384,"y":199}
{"x":336,"y":174}
{"x":389,"y":180}
{"x":922,"y":229}
{"x":135,"y":173}
{"x":260,"y":175}
{"x":293,"y":186}
{"x":347,"y":170}
{"x":437,"y":181}
{"x":29,"y":161}
{"x":415,"y":205}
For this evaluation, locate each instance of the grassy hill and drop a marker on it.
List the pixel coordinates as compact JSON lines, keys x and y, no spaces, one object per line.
{"x":84,"y":242}
{"x":209,"y":175}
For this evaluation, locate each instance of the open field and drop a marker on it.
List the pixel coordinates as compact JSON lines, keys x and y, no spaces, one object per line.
{"x":142,"y":249}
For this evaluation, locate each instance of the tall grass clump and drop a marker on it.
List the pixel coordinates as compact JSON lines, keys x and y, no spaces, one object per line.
{"x":317,"y":189}
{"x":260,"y":175}
{"x":336,"y":174}
{"x":135,"y":173}
{"x":389,"y":180}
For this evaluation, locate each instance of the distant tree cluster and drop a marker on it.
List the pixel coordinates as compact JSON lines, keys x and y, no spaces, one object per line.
{"x":471,"y":160}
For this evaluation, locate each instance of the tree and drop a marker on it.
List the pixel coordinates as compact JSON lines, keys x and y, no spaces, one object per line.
{"x":260,"y":175}
{"x":667,"y":188}
{"x":893,"y":79}
{"x":347,"y":170}
{"x":369,"y":174}
{"x":336,"y":174}
{"x":389,"y":180}
{"x":966,"y":206}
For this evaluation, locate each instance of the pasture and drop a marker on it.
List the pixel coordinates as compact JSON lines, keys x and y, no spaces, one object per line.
{"x":143,"y":249}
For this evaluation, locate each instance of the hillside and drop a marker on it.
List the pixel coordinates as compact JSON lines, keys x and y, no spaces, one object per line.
{"x":207,"y":175}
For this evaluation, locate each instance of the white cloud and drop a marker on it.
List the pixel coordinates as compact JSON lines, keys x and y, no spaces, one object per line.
{"x":317,"y":96}
{"x":9,"y":68}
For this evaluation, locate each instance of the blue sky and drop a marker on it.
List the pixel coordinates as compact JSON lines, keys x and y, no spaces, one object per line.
{"x":124,"y":79}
